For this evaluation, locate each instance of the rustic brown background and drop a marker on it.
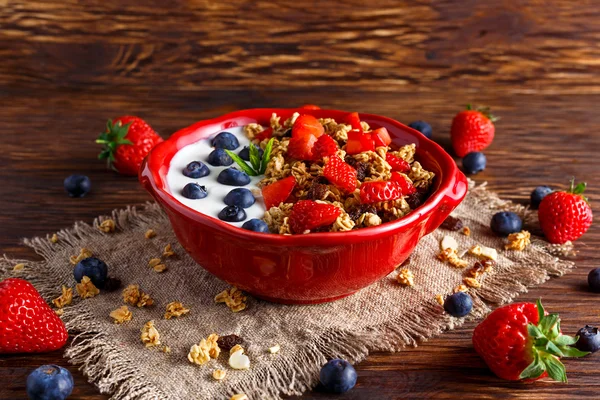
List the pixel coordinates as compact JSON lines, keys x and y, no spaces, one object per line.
{"x":66,"y":66}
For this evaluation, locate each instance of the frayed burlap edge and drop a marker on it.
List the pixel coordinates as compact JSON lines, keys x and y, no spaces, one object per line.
{"x":104,"y":365}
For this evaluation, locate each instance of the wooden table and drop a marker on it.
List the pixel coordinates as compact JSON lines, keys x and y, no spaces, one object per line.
{"x":66,"y":67}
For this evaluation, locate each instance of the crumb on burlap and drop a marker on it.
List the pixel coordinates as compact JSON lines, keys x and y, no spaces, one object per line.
{"x":450,"y":256}
{"x":461,"y":288}
{"x":274,"y":349}
{"x":481,"y":267}
{"x":107,"y":226}
{"x":472,"y":282}
{"x":405,"y":277}
{"x":219,"y":374}
{"x":83,"y":254}
{"x":466,"y":231}
{"x":65,"y":298}
{"x":18,"y":267}
{"x":239,"y":396}
{"x":440,"y":299}
{"x":54,"y":238}
{"x":121,"y":315}
{"x":86,"y":288}
{"x":150,"y":336}
{"x":518,"y":241}
{"x":154,"y":262}
{"x":150,"y":233}
{"x":134,"y":296}
{"x":59,"y":311}
{"x":207,"y":348}
{"x":168,"y":252}
{"x":484,"y":252}
{"x":233,"y":298}
{"x":160,"y":268}
{"x":175,"y":309}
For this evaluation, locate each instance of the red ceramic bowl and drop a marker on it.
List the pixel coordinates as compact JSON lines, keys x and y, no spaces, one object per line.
{"x":312,"y":268}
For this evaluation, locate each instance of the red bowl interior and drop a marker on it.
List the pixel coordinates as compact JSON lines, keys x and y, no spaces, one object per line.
{"x":308,"y":268}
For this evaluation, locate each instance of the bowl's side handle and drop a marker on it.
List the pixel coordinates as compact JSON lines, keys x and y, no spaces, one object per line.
{"x":449,"y":202}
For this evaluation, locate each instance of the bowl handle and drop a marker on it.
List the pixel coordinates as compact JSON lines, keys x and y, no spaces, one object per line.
{"x":450,"y":201}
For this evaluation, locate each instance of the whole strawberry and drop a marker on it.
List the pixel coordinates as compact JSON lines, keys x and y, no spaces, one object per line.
{"x":519,"y":341}
{"x":27,"y":323}
{"x":126,"y":141}
{"x":566,"y":215}
{"x":472,"y":130}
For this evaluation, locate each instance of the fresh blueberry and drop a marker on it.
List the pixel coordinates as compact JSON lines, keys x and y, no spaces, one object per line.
{"x":256,"y":225}
{"x":458,"y":304}
{"x":245,"y":152}
{"x":474,"y":162}
{"x":504,"y":223}
{"x":538,"y":195}
{"x":196,"y":169}
{"x":233,"y":177}
{"x":225,"y":140}
{"x":239,"y":197}
{"x":589,"y":339}
{"x":94,"y":269}
{"x":77,"y":185}
{"x":49,"y":382}
{"x":422,"y":127}
{"x":338,"y":376}
{"x":218,"y":157}
{"x":194,"y":191}
{"x":594,"y":280}
{"x":232,"y":214}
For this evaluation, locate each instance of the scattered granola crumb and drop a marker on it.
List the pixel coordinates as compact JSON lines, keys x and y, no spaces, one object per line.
{"x":213,"y":345}
{"x":54,"y":238}
{"x":168,"y":252}
{"x":238,"y":360}
{"x":83,"y":254}
{"x":219,"y":374}
{"x":518,"y":241}
{"x":461,"y":288}
{"x":451,"y":256}
{"x":566,"y":249}
{"x":235,"y":349}
{"x":406,"y":277}
{"x":233,"y":298}
{"x":160,"y":268}
{"x":239,"y":396}
{"x":448,"y":242}
{"x":165,"y":349}
{"x":466,"y":231}
{"x":440,"y":299}
{"x":150,"y":234}
{"x":275,"y":349}
{"x":121,"y":314}
{"x":199,"y":353}
{"x":86,"y":288}
{"x":134,"y":296}
{"x":107,"y":226}
{"x":481,"y":267}
{"x":19,"y":267}
{"x":65,"y":298}
{"x":150,"y":336}
{"x":472,"y":282}
{"x":59,"y":312}
{"x":175,"y":309}
{"x":154,"y":262}
{"x":484,"y":252}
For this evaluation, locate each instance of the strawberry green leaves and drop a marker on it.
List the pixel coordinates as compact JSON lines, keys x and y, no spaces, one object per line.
{"x":113,"y":137}
{"x":257,"y":165}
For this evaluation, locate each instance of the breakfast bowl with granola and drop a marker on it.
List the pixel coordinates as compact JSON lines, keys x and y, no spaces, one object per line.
{"x":301,"y":205}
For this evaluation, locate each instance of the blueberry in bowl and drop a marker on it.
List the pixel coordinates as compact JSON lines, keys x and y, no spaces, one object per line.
{"x":233,"y":177}
{"x":232,"y":214}
{"x":196,"y":169}
{"x":256,"y":225}
{"x":226,"y":140}
{"x":245,"y":152}
{"x":240,"y":197}
{"x":218,"y":157}
{"x":194,"y":191}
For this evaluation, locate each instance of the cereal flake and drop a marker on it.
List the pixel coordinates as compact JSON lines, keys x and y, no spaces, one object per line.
{"x":233,"y":298}
{"x":472,"y":282}
{"x":150,"y":233}
{"x":518,"y":241}
{"x":65,"y":298}
{"x":168,"y":252}
{"x":451,"y":256}
{"x":134,"y":296}
{"x":121,"y":314}
{"x":107,"y":226}
{"x":83,"y":254}
{"x":150,"y":336}
{"x":86,"y":288}
{"x":175,"y":309}
{"x":405,"y":277}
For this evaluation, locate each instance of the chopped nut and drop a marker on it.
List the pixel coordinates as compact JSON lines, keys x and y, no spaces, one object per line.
{"x":236,"y":348}
{"x":19,"y":267}
{"x":160,"y":268}
{"x":466,"y":231}
{"x":168,"y":252}
{"x":121,"y":314}
{"x":461,"y":288}
{"x":238,"y":360}
{"x":440,"y":299}
{"x":518,"y":241}
{"x":233,"y":298}
{"x":405,"y":277}
{"x":484,"y":252}
{"x":472,"y":282}
{"x":239,"y":396}
{"x":451,"y":256}
{"x":134,"y":296}
{"x":199,"y":353}
{"x":54,"y":238}
{"x":107,"y":226}
{"x":83,"y":254}
{"x":154,"y":262}
{"x":213,"y":345}
{"x":175,"y":309}
{"x":150,"y":234}
{"x":150,"y":336}
{"x":452,"y":224}
{"x":86,"y":288}
{"x":448,"y":242}
{"x":219,"y":374}
{"x":275,"y":349}
{"x":65,"y":298}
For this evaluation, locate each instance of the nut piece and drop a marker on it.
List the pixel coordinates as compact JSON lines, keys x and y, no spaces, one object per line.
{"x":405,"y":277}
{"x":275,"y":349}
{"x":65,"y":298}
{"x":233,"y":298}
{"x":440,"y":299}
{"x":86,"y":288}
{"x":484,"y":252}
{"x":461,"y":288}
{"x":219,"y":374}
{"x":238,"y":360}
{"x":466,"y":231}
{"x":451,"y":256}
{"x":121,"y":314}
{"x":168,"y":252}
{"x":150,"y":336}
{"x":150,"y":234}
{"x":472,"y":282}
{"x":518,"y":241}
{"x":134,"y":296}
{"x":175,"y":309}
{"x":448,"y":242}
{"x":19,"y":267}
{"x":107,"y":226}
{"x":239,"y":396}
{"x":54,"y":238}
{"x":83,"y":254}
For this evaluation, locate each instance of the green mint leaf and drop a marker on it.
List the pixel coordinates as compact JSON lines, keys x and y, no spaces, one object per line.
{"x":556,"y":369}
{"x":266,"y":156}
{"x":573,"y":352}
{"x":254,"y":158}
{"x":565,"y":340}
{"x":540,"y":309}
{"x":533,"y":370}
{"x":238,"y":160}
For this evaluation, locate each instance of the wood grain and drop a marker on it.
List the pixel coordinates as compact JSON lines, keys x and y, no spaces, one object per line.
{"x":67,"y":66}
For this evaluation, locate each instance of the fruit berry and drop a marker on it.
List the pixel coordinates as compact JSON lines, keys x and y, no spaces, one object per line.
{"x":93,"y":268}
{"x":240,"y":197}
{"x":195,"y":170}
{"x":340,"y":174}
{"x":307,"y":125}
{"x":233,"y":177}
{"x":194,"y":191}
{"x":219,"y":158}
{"x":77,"y":185}
{"x":422,"y":127}
{"x":404,"y":183}
{"x":301,"y":148}
{"x":49,"y":382}
{"x":308,"y":215}
{"x":565,"y":216}
{"x":225,"y":140}
{"x":232,"y":214}
{"x":27,"y":323}
{"x":325,"y":146}
{"x":588,"y":339}
{"x":338,"y":376}
{"x":256,"y":225}
{"x":359,"y":142}
{"x":458,"y":304}
{"x":397,"y":163}
{"x":277,"y":192}
{"x":594,"y":280}
{"x":245,"y":153}
{"x":538,"y":194}
{"x":506,"y":222}
{"x":381,"y":137}
{"x":374,"y":192}
{"x":353,"y":119}
{"x":472,"y":130}
{"x":474,"y":162}
{"x":520,"y":341}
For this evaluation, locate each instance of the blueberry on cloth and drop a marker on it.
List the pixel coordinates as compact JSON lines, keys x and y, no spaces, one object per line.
{"x":589,"y":339}
{"x":245,"y":153}
{"x":49,"y":382}
{"x":239,"y":197}
{"x":77,"y":185}
{"x":232,"y":214}
{"x":196,"y":169}
{"x":256,"y":225}
{"x":458,"y":304}
{"x":504,"y":223}
{"x":338,"y":376}
{"x":225,"y":140}
{"x":594,"y":280}
{"x":218,"y":157}
{"x":233,"y":177}
{"x":194,"y":191}
{"x":93,"y":268}
{"x":474,"y":162}
{"x":538,"y":195}
{"x":422,"y":127}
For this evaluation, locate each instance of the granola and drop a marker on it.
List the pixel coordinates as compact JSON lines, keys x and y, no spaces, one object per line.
{"x":219,"y":374}
{"x":64,"y":299}
{"x":83,"y":254}
{"x":233,"y":298}
{"x":19,"y":267}
{"x":207,"y":348}
{"x":150,"y":336}
{"x":175,"y":309}
{"x":134,"y":296}
{"x":405,"y":277}
{"x":150,"y":233}
{"x":107,"y":226}
{"x":484,"y":252}
{"x":121,"y":315}
{"x":168,"y":251}
{"x":472,"y":282}
{"x":450,"y":256}
{"x":518,"y":241}
{"x":86,"y":288}
{"x":54,"y":238}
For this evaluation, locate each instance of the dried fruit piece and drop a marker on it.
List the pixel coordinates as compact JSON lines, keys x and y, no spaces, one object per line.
{"x":452,"y":224}
{"x":229,"y":341}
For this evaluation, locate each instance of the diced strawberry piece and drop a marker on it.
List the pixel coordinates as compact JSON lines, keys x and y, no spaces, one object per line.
{"x":397,"y":163}
{"x":266,"y":134}
{"x":325,"y":146}
{"x":301,"y":148}
{"x":308,"y":214}
{"x":340,"y":174}
{"x":278,"y":192}
{"x":381,"y":137}
{"x":406,"y":187}
{"x":310,"y":107}
{"x":374,"y":192}
{"x":307,"y":125}
{"x":359,"y":142}
{"x":353,"y":120}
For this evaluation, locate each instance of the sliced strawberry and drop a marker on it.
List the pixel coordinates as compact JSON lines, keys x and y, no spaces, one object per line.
{"x":308,"y":215}
{"x":374,"y":192}
{"x":340,"y":174}
{"x":359,"y":142}
{"x":266,"y":134}
{"x":301,"y":148}
{"x":277,"y":192}
{"x":325,"y":146}
{"x":353,"y":120}
{"x":397,"y":163}
{"x":307,"y":125}
{"x":406,"y":187}
{"x":381,"y":137}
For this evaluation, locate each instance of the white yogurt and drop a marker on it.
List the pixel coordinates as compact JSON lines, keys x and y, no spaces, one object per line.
{"x":213,"y":203}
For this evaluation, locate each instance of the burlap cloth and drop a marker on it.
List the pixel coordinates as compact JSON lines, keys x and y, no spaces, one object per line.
{"x":384,"y":316}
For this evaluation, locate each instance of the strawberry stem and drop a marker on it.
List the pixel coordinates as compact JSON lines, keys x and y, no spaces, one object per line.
{"x":113,"y":137}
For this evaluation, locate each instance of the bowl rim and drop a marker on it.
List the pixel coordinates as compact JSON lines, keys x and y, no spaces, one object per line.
{"x":157,"y":162}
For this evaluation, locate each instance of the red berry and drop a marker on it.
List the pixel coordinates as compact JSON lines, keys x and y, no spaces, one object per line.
{"x":565,"y":216}
{"x":278,"y":192}
{"x":266,"y":134}
{"x":307,"y":125}
{"x":27,"y":323}
{"x":381,"y":137}
{"x":310,"y":107}
{"x":472,"y":130}
{"x":340,"y":174}
{"x":405,"y":185}
{"x":374,"y":192}
{"x":308,"y":215}
{"x":353,"y":120}
{"x":324,"y":147}
{"x":301,"y":148}
{"x":359,"y":142}
{"x":397,"y":163}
